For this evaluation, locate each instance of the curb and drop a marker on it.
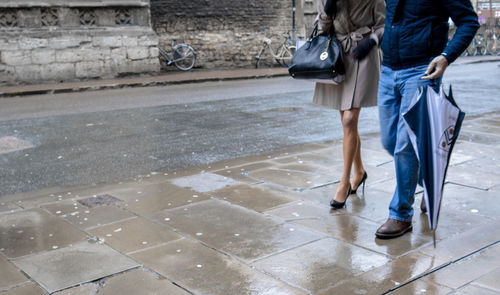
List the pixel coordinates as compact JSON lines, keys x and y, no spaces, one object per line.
{"x":169,"y":79}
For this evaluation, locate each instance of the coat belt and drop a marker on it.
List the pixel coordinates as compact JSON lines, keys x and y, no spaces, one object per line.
{"x":349,"y":40}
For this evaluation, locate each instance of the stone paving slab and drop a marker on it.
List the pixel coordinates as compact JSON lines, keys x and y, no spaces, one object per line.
{"x":137,"y":281}
{"x":10,"y":275}
{"x":84,"y":217}
{"x":467,"y":270}
{"x":33,"y":231}
{"x":318,"y":265}
{"x":146,"y":199}
{"x":205,"y":271}
{"x":67,"y":267}
{"x":252,"y":197}
{"x":25,"y":290}
{"x":263,"y":225}
{"x":134,"y":235}
{"x":242,"y":233}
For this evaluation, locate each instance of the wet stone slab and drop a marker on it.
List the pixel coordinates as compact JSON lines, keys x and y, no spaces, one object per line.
{"x":10,"y":275}
{"x":423,"y":287}
{"x":479,"y":137}
{"x":67,"y":267}
{"x":146,"y":199}
{"x":318,"y":265}
{"x":241,"y":173}
{"x":455,"y":247}
{"x":372,"y":205}
{"x":25,"y":290}
{"x":86,"y":289}
{"x":139,"y":281}
{"x":202,"y":270}
{"x":322,"y":158}
{"x":33,"y":231}
{"x":490,"y":280}
{"x":235,"y":230}
{"x":386,"y":277}
{"x":474,"y":290}
{"x":134,"y":234}
{"x":205,"y":182}
{"x":8,"y":208}
{"x":478,"y":178}
{"x":470,"y":201}
{"x":251,"y":197}
{"x":351,"y":229}
{"x":469,"y":269}
{"x":84,"y":217}
{"x":293,"y":179}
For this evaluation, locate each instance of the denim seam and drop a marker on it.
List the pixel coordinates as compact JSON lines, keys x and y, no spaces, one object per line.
{"x":391,"y":216}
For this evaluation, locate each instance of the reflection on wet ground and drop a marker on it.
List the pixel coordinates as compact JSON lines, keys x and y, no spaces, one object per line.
{"x":259,"y":225}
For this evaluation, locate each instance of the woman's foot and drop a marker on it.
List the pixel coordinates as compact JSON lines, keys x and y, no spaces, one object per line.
{"x":359,"y":179}
{"x":343,"y":192}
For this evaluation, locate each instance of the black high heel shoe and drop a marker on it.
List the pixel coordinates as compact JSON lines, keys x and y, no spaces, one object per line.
{"x":339,"y":205}
{"x":363,"y":180}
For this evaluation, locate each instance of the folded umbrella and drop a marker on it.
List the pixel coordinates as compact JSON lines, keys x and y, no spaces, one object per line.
{"x":433,"y":122}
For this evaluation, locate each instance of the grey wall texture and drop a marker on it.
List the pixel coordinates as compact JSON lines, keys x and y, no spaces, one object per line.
{"x":62,"y":40}
{"x":224,"y":33}
{"x":65,"y":40}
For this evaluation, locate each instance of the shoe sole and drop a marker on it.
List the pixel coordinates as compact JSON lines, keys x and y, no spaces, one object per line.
{"x":392,"y":236}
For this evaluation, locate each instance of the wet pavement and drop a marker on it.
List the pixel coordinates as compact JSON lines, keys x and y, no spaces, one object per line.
{"x":259,"y":225}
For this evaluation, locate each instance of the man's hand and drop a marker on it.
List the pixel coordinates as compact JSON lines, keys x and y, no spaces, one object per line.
{"x":436,"y":68}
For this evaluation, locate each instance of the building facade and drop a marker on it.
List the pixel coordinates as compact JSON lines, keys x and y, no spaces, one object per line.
{"x":66,"y":40}
{"x":62,"y":40}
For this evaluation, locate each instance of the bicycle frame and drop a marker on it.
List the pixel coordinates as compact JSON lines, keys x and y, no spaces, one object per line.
{"x":169,"y":56}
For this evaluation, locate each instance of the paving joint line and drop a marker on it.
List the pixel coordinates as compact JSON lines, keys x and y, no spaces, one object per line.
{"x":441,"y":267}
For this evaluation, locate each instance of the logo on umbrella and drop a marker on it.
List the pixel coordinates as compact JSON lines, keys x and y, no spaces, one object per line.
{"x":447,"y":138}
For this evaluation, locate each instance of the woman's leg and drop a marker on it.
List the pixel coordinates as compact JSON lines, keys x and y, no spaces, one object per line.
{"x":350,"y":145}
{"x":359,"y":169}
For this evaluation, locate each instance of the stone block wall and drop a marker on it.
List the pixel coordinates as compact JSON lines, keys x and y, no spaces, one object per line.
{"x":57,"y":40}
{"x":224,"y":33}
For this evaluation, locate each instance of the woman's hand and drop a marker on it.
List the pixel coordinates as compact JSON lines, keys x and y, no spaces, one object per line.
{"x":364,"y":47}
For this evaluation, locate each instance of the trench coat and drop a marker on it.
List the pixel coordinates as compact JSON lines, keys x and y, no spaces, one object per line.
{"x":360,"y":87}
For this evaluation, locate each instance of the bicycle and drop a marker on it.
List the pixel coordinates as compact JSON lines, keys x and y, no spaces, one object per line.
{"x":477,"y":46}
{"x":492,"y":44}
{"x":283,"y":54}
{"x":182,"y":56}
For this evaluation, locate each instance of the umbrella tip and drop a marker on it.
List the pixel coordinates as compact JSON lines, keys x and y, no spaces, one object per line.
{"x":434,"y":238}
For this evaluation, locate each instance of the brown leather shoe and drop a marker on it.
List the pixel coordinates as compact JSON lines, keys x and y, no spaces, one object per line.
{"x":393,"y":228}
{"x":423,"y":207}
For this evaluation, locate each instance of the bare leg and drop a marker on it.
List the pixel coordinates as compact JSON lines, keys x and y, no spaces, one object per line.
{"x":359,"y":169}
{"x":350,"y":145}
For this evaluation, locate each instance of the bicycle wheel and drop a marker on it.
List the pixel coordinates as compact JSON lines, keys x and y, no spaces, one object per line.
{"x":285,"y":54}
{"x":259,"y":56}
{"x":470,"y":49}
{"x":493,"y":47}
{"x":184,"y":57}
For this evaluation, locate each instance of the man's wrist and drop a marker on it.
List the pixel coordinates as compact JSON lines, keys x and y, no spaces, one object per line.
{"x":445,"y":55}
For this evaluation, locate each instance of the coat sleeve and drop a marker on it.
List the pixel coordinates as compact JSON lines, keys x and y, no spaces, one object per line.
{"x":379,"y":21}
{"x":323,"y":21}
{"x":464,"y":17}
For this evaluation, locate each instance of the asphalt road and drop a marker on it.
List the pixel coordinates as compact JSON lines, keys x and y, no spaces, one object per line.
{"x":116,"y":135}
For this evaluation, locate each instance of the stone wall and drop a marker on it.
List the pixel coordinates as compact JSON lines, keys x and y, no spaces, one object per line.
{"x":58,"y":40}
{"x":224,"y":33}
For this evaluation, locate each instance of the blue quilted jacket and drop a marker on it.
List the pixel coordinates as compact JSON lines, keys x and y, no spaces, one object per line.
{"x":416,"y":31}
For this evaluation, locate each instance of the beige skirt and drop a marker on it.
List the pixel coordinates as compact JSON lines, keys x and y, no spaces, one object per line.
{"x":359,"y":89}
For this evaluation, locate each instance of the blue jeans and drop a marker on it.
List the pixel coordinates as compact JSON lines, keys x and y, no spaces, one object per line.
{"x":396,"y":91}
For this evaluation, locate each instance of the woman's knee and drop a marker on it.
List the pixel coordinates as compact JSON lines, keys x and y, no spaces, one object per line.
{"x":350,"y":121}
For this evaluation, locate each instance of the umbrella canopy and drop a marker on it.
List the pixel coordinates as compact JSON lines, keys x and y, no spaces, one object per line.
{"x":433,"y":122}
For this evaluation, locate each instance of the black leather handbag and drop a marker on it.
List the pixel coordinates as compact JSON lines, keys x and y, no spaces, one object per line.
{"x":319,"y":60}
